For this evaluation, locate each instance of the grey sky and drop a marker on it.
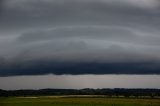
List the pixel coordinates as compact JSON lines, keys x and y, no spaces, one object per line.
{"x":80,"y":81}
{"x":105,"y":31}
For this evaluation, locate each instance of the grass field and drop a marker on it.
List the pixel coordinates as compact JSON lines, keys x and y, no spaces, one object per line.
{"x":78,"y":101}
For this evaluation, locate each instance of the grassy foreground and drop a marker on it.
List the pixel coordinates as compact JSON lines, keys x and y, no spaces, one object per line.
{"x":78,"y":101}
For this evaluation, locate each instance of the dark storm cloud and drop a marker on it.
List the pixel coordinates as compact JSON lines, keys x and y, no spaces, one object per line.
{"x":1,"y":7}
{"x":27,"y":14}
{"x":41,"y":67}
{"x":60,"y":36}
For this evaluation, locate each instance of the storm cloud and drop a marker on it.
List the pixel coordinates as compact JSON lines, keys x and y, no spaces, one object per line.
{"x":79,"y":37}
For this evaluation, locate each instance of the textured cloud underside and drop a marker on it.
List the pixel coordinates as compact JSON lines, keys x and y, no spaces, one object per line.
{"x":90,"y":36}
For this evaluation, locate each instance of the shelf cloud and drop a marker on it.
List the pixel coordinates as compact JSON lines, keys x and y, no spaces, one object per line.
{"x":79,"y":37}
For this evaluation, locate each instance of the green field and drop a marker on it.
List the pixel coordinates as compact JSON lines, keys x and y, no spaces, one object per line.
{"x":77,"y":101}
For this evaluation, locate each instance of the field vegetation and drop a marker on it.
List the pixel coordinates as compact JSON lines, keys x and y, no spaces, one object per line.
{"x":76,"y":101}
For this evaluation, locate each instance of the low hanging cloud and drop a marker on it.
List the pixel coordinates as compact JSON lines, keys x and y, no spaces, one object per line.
{"x":79,"y":37}
{"x":108,"y":33}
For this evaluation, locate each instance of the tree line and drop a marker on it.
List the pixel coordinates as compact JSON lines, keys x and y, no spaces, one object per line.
{"x":117,"y":92}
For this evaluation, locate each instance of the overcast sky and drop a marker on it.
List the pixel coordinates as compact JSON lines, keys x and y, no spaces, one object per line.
{"x":79,"y":31}
{"x":80,"y":81}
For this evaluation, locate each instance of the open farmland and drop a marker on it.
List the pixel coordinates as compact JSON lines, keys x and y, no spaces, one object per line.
{"x":76,"y":101}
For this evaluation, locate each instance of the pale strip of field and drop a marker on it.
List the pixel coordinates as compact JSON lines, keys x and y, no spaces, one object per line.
{"x":75,"y":96}
{"x":84,"y":96}
{"x":64,"y":96}
{"x":28,"y":97}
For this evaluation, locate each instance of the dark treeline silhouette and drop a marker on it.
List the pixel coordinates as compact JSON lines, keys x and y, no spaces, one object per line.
{"x":117,"y":92}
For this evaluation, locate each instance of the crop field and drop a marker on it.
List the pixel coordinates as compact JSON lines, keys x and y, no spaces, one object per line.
{"x":76,"y":101}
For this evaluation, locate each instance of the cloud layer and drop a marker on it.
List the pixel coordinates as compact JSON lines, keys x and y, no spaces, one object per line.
{"x":62,"y":36}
